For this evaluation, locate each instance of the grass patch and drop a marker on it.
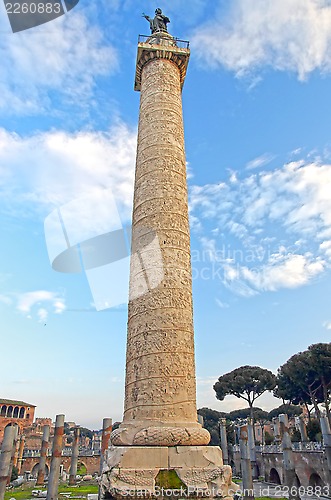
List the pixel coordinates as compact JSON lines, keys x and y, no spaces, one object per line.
{"x":24,"y":492}
{"x":81,"y":489}
{"x":168,"y":479}
{"x":268,"y":498}
{"x":81,"y":469}
{"x":236,"y":481}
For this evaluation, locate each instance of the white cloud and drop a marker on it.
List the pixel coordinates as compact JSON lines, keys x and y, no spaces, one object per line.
{"x":288,"y":35}
{"x":222,"y":305}
{"x":66,"y":56}
{"x":283,"y":271}
{"x":66,"y":166}
{"x":260,"y":161}
{"x":296,"y":196}
{"x":325,"y":247}
{"x":289,"y":205}
{"x":207,"y":381}
{"x":42,"y":314}
{"x":59,"y":307}
{"x":189,"y":171}
{"x":40,"y":303}
{"x":327,"y":325}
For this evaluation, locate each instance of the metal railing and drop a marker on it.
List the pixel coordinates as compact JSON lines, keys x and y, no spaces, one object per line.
{"x":277,"y":448}
{"x":66,"y":452}
{"x":311,"y":446}
{"x":176,"y":42}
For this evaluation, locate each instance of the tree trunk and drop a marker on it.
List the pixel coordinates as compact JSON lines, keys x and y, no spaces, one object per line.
{"x":308,"y":411}
{"x":251,"y":411}
{"x":313,"y":400}
{"x":252,"y":416}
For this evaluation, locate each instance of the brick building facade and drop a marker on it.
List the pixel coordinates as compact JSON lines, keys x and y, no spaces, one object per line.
{"x":15,"y":412}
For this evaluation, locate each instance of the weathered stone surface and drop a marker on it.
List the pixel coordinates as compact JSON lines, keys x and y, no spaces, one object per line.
{"x":133,"y":469}
{"x":160,"y":391}
{"x":160,"y":430}
{"x":194,"y":456}
{"x":137,"y":457}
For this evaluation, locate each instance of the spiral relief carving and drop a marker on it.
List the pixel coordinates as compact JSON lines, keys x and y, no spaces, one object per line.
{"x":160,"y":368}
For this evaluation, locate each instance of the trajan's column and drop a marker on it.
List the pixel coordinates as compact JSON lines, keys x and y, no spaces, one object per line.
{"x":160,"y":442}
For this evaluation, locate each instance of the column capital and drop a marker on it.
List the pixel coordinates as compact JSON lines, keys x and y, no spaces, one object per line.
{"x":161,"y":46}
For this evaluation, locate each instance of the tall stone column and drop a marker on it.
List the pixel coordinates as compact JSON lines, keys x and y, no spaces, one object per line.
{"x":13,"y":453}
{"x":53,"y":478}
{"x":245,"y":461}
{"x":289,"y":466}
{"x":43,"y":456}
{"x":160,"y":389}
{"x":20,"y":453}
{"x":276,"y":429}
{"x":224,"y":440}
{"x":74,"y":457}
{"x":5,"y":457}
{"x":106,"y":431}
{"x":251,"y":445}
{"x":326,"y":433}
{"x":160,"y":430}
{"x":201,"y":420}
{"x":16,"y":450}
{"x":301,"y":426}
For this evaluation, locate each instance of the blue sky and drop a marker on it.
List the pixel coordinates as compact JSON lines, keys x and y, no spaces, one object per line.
{"x":257,"y":113}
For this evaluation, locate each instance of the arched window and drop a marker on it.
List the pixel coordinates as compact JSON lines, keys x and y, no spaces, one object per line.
{"x":21,"y":413}
{"x":274,"y":477}
{"x":3,"y":410}
{"x":10,"y":411}
{"x":15,"y":413}
{"x":315,"y":480}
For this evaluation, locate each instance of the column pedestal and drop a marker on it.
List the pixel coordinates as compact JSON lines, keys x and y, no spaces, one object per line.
{"x":141,"y":471}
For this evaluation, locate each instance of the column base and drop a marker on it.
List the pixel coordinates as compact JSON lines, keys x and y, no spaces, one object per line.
{"x":138,"y":434}
{"x":166,"y":472}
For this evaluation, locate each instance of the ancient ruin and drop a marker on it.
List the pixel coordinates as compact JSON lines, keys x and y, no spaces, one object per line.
{"x":160,"y":441}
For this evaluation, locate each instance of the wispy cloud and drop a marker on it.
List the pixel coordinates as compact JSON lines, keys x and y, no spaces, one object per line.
{"x":222,"y":305}
{"x":278,"y":222}
{"x":66,"y":56}
{"x":327,"y":325}
{"x":39,"y":303}
{"x":260,"y":161}
{"x":288,"y":35}
{"x":210,"y":381}
{"x":66,"y":166}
